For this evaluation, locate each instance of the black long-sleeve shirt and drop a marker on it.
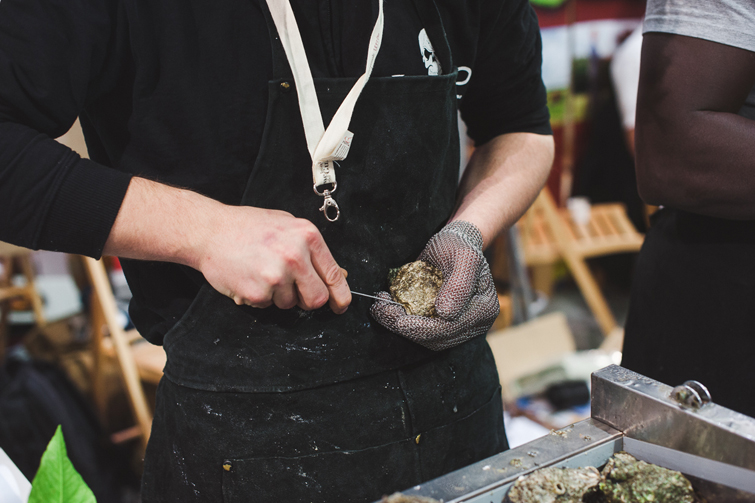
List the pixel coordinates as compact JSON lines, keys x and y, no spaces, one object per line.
{"x":176,"y":91}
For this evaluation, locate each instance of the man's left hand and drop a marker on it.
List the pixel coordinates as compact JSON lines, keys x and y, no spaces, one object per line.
{"x":467,"y":303}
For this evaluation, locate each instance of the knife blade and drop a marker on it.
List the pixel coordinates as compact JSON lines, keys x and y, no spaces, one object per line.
{"x":376,"y":298}
{"x":346,"y":275}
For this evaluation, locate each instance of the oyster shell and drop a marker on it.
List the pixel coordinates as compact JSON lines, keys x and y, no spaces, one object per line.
{"x":554,"y":485}
{"x":401,"y":498}
{"x":626,"y":480}
{"x":415,"y":286}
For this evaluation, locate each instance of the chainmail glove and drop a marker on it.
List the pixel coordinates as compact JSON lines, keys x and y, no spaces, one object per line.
{"x":467,"y":303}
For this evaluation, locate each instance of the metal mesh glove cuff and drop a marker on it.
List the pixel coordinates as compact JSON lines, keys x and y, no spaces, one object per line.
{"x":467,"y":303}
{"x":466,"y":231}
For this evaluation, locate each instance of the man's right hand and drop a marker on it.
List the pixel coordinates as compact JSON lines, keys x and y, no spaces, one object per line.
{"x":263,"y":257}
{"x":255,"y":256}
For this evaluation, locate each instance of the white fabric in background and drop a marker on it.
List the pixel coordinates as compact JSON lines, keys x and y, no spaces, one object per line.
{"x":625,"y":74}
{"x":520,"y":430}
{"x":14,"y":488}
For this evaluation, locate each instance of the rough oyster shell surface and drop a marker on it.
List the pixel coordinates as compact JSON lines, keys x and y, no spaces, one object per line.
{"x":626,"y":480}
{"x":415,"y":286}
{"x":554,"y":485}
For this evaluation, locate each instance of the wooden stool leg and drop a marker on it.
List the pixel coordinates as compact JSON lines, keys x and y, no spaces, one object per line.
{"x":592,"y":293}
{"x":543,"y":278}
{"x":36,"y":300}
{"x":3,"y":330}
{"x":577,"y":265}
{"x":129,"y":372}
{"x":98,"y":327}
{"x":4,"y":281}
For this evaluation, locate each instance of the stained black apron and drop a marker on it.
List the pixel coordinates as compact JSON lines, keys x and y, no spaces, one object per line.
{"x":692,"y":308}
{"x":289,"y":405}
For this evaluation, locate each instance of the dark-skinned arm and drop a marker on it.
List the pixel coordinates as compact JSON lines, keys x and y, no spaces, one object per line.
{"x":694,"y":152}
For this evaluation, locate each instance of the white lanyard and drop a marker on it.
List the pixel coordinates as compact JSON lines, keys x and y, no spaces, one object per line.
{"x":331,"y":144}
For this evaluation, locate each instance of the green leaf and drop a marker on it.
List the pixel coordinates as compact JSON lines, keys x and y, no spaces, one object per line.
{"x":57,"y":481}
{"x":548,"y":3}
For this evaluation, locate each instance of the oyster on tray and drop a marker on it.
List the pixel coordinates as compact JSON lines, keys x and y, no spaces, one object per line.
{"x":554,"y":485}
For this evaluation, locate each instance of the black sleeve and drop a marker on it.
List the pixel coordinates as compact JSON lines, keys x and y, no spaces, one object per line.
{"x":506,"y":93}
{"x":55,"y":56}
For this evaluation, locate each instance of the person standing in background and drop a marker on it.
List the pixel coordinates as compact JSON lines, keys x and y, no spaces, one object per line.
{"x":691,"y":310}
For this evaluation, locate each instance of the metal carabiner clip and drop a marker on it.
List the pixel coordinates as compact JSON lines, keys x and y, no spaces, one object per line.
{"x":329,"y":202}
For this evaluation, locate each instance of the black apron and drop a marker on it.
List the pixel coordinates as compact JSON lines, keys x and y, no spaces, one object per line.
{"x":692,"y":308}
{"x":289,"y":405}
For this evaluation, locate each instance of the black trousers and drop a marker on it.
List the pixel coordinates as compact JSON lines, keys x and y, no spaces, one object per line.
{"x":352,"y":441}
{"x":692,"y":309}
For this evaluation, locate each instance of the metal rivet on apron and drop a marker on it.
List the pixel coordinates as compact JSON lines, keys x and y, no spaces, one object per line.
{"x":416,"y":440}
{"x":285,"y":87}
{"x":227,"y":466}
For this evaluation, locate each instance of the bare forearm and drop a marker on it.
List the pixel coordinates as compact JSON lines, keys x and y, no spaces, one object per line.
{"x":255,"y":256}
{"x":158,"y":222}
{"x":503,"y":178}
{"x":693,"y":151}
{"x":705,"y":164}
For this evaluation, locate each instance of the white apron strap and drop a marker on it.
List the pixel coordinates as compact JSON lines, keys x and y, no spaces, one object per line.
{"x":333,"y":143}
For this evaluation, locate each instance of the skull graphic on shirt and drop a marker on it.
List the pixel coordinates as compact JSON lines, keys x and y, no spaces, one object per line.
{"x":428,"y":54}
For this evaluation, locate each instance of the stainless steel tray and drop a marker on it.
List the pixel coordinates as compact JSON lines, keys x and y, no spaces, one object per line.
{"x":713,"y":445}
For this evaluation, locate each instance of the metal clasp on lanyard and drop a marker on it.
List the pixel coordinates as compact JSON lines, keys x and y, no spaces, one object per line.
{"x":329,"y":202}
{"x":331,"y":144}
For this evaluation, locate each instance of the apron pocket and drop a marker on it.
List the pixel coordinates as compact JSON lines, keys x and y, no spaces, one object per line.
{"x":354,"y":476}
